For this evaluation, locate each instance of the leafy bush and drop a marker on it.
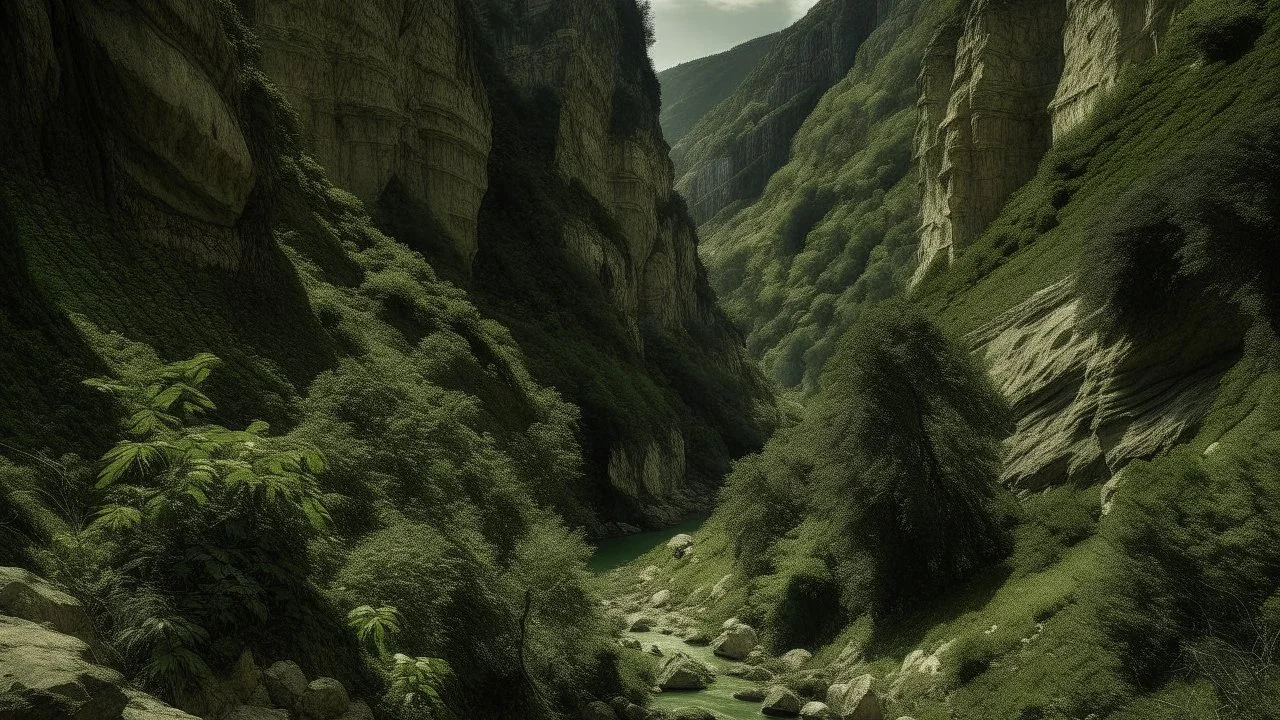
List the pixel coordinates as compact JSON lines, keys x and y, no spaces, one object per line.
{"x":1196,"y":564}
{"x":1223,"y":29}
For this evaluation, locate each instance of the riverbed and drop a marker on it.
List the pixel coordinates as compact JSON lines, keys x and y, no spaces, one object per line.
{"x":718,"y":698}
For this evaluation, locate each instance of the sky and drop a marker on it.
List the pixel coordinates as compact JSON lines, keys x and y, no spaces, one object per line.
{"x":690,"y":29}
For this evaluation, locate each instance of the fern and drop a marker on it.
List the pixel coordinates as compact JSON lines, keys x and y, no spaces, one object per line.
{"x":374,"y":626}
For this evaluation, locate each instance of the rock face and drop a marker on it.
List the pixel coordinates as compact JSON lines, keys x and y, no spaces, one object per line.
{"x":616,"y":154}
{"x":732,"y":153}
{"x":387,"y":91}
{"x":998,"y":88}
{"x":1101,"y":38}
{"x":165,"y":107}
{"x":1004,"y":64}
{"x":1085,"y":407}
{"x":735,"y":642}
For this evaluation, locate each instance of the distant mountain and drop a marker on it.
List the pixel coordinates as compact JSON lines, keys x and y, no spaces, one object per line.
{"x":691,"y":89}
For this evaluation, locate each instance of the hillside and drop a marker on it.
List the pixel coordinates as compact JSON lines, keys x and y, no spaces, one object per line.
{"x":382,"y":310}
{"x":691,"y":89}
{"x":1025,"y":275}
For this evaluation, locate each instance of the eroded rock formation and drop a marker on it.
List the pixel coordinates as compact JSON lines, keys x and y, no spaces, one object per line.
{"x":1007,"y":63}
{"x":997,"y":89}
{"x":387,"y":91}
{"x":1086,"y":406}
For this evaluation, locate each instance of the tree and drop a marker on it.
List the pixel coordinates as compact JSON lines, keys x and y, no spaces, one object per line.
{"x":904,"y":437}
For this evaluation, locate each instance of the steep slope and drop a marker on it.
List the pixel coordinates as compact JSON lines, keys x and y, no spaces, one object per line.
{"x":731,"y":153}
{"x":162,"y":197}
{"x":690,"y":90}
{"x":837,"y":225}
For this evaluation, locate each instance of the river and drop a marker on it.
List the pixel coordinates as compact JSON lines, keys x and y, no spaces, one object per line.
{"x":718,"y":698}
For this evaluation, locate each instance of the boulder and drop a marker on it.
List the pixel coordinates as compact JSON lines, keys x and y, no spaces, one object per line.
{"x":680,"y":544}
{"x":697,"y":638}
{"x":45,"y":674}
{"x":781,"y":702}
{"x":641,"y":624}
{"x":357,"y":711}
{"x":729,"y":623}
{"x":632,"y":643}
{"x":29,"y":597}
{"x":655,"y":650}
{"x":756,"y":657}
{"x":757,"y":673}
{"x":144,"y":707}
{"x":735,"y":642}
{"x":684,"y":673}
{"x":597,"y":710}
{"x":753,"y":694}
{"x":855,"y":700}
{"x":253,"y":712}
{"x":815,"y":711}
{"x":285,"y":683}
{"x":325,"y":699}
{"x":660,"y":598}
{"x":793,"y":660}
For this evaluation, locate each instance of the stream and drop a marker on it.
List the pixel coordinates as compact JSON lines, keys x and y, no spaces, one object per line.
{"x":718,"y":698}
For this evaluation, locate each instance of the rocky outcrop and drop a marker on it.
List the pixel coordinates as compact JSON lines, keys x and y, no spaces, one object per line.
{"x":735,"y":642}
{"x":25,"y":595}
{"x":161,"y":126}
{"x":387,"y":91}
{"x":1101,"y":38}
{"x":682,"y":672}
{"x":731,"y":155}
{"x":999,"y":86}
{"x":1086,"y":406}
{"x":1007,"y":62}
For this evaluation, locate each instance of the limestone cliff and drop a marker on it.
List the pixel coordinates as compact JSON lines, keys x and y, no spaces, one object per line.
{"x":161,"y":124}
{"x":605,"y":141}
{"x":999,"y":86}
{"x":1003,"y":66}
{"x":387,"y":91}
{"x":146,"y":106}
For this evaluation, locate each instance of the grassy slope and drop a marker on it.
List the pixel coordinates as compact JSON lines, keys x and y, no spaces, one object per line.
{"x":1064,"y":667}
{"x":836,"y":226}
{"x":690,"y":90}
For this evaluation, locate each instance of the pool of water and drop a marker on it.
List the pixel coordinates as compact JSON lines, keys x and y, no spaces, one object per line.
{"x":616,"y":552}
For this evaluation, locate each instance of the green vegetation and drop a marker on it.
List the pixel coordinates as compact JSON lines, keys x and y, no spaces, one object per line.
{"x":883,"y":496}
{"x":836,"y":227}
{"x":692,"y":89}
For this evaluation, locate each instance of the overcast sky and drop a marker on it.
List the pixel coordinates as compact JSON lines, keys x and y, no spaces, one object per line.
{"x":690,"y":29}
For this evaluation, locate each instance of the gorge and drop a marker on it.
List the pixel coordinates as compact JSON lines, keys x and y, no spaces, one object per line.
{"x":413,"y":359}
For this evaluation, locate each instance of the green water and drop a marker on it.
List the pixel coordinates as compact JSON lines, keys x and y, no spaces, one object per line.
{"x":717,"y":698}
{"x":617,"y":552}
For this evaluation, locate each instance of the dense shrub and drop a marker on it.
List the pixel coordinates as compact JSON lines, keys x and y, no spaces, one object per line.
{"x":1196,"y":569}
{"x":894,"y":468}
{"x":1200,"y":232}
{"x":1223,"y":29}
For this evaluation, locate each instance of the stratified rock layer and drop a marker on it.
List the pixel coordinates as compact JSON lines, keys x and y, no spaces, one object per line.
{"x":386,"y":90}
{"x":1085,"y":406}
